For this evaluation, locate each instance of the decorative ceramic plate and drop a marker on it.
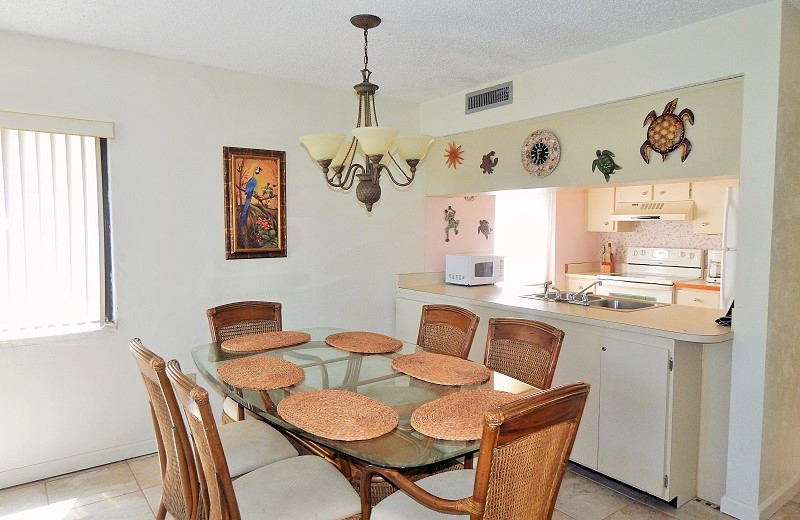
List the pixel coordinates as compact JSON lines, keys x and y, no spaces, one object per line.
{"x":540,"y":153}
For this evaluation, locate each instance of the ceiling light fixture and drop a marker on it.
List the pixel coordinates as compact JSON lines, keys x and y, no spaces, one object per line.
{"x":379,"y":144}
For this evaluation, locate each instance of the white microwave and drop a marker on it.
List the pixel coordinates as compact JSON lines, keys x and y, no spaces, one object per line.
{"x":469,"y":269}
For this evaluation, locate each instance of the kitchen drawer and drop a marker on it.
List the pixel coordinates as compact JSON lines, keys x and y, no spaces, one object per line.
{"x":697,"y":297}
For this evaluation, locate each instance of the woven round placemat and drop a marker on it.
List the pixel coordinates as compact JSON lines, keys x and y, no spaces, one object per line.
{"x":458,"y":416}
{"x":338,"y":414}
{"x":363,"y":342}
{"x":441,"y":369}
{"x":260,"y":373}
{"x":265,"y":341}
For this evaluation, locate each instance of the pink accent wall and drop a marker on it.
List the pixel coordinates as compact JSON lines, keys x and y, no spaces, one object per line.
{"x":468,"y":239}
{"x":571,"y":242}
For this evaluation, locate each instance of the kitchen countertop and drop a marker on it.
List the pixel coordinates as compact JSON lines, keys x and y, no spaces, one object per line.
{"x":679,"y":322}
{"x":700,"y":283}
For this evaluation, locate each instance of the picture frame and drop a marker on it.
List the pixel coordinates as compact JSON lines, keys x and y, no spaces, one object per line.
{"x":255,"y":203}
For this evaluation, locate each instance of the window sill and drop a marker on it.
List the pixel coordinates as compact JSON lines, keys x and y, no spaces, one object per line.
{"x":58,"y":337}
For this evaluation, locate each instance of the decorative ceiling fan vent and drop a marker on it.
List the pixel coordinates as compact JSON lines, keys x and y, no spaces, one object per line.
{"x":491,"y":97}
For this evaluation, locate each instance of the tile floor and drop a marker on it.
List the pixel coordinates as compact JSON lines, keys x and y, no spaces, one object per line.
{"x":130,"y":490}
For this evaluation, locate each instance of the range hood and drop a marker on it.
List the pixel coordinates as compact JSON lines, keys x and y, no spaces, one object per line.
{"x":673,"y":210}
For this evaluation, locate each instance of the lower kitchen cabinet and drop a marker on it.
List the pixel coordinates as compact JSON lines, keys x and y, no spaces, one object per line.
{"x":634,"y":400}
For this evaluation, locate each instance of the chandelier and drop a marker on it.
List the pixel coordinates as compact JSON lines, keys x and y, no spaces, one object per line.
{"x":380,"y":145}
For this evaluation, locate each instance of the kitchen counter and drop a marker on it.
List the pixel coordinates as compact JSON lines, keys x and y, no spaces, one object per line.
{"x":677,"y":322}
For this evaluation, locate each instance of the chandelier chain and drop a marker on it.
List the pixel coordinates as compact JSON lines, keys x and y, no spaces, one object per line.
{"x":366,"y":56}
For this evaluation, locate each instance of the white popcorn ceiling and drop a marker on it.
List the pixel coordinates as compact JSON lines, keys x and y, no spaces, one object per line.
{"x":423,"y":49}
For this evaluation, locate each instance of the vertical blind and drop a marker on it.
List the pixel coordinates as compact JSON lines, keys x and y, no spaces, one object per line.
{"x":51,"y":234}
{"x":523,"y":233}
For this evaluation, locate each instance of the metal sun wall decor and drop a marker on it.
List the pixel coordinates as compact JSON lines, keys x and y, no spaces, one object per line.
{"x":540,"y":153}
{"x":488,"y":163}
{"x":452,"y":223}
{"x":453,"y":155}
{"x":667,"y":132}
{"x":605,"y":163}
{"x":483,"y":227}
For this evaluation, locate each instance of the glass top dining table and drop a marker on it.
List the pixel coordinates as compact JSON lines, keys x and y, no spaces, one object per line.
{"x":371,"y":375}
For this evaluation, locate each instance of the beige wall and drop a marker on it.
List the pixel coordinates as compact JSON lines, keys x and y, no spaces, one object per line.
{"x":78,"y":402}
{"x":617,"y":127}
{"x":745,"y":42}
{"x":781,"y":441}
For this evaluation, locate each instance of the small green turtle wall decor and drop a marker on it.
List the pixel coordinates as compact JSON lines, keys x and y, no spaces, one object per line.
{"x":667,"y":132}
{"x":605,"y":163}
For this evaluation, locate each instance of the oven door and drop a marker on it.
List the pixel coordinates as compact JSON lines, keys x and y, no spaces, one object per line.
{"x":649,"y":292}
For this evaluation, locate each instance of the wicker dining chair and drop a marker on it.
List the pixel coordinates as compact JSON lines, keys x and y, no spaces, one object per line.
{"x":299,"y":488}
{"x":521,"y":462}
{"x":447,"y":329}
{"x":249,"y":445}
{"x":232,"y":320}
{"x":523,"y":349}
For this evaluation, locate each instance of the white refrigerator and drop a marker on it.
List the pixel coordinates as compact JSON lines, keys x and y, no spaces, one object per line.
{"x":729,"y":234}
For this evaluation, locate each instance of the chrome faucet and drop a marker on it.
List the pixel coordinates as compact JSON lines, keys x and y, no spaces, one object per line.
{"x":583,"y":294}
{"x":546,"y":293}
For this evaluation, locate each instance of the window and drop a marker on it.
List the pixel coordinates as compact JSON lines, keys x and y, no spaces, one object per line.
{"x":53,"y":268}
{"x":523,"y":232}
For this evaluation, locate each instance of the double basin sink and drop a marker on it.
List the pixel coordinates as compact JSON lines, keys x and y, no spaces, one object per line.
{"x":593,"y":300}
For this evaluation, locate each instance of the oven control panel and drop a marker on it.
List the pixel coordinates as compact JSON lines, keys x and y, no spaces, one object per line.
{"x":665,"y":256}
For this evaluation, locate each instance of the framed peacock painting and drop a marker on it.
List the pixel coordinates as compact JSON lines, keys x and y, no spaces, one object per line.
{"x":255,"y":203}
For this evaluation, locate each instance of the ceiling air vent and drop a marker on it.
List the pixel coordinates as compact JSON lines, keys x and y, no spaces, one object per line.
{"x":491,"y":97}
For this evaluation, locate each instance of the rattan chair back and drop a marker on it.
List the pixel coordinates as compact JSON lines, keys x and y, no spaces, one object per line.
{"x":214,"y":477}
{"x":447,"y":329}
{"x":524,"y":452}
{"x":523,"y":349}
{"x":241,"y":318}
{"x":180,"y":491}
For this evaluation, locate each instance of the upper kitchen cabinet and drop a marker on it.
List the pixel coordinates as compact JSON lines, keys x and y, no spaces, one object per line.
{"x":709,"y":200}
{"x":599,"y":206}
{"x":634,"y":193}
{"x":655,"y":192}
{"x":671,"y":192}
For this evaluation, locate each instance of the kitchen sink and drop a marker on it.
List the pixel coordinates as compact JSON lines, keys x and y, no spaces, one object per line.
{"x":624,"y":305}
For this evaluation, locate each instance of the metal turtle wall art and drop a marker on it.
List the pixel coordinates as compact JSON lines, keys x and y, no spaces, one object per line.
{"x":667,"y":132}
{"x":605,"y":163}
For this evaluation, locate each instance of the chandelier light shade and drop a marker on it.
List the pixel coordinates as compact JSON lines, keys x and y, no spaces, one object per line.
{"x":381,"y":146}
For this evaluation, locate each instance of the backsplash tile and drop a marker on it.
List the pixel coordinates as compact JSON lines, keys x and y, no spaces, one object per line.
{"x":672,"y":234}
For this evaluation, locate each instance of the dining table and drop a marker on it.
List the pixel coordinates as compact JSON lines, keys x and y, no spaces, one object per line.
{"x":371,"y":375}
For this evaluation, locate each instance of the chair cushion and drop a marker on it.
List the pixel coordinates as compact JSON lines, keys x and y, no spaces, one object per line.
{"x":452,"y":485}
{"x":251,"y":444}
{"x":300,"y":488}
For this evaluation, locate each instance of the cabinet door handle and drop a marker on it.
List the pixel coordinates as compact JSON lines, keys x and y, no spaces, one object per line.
{"x":606,"y":223}
{"x":604,"y":349}
{"x":644,"y":193}
{"x":704,"y":223}
{"x":696,"y":299}
{"x":662,"y":192}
